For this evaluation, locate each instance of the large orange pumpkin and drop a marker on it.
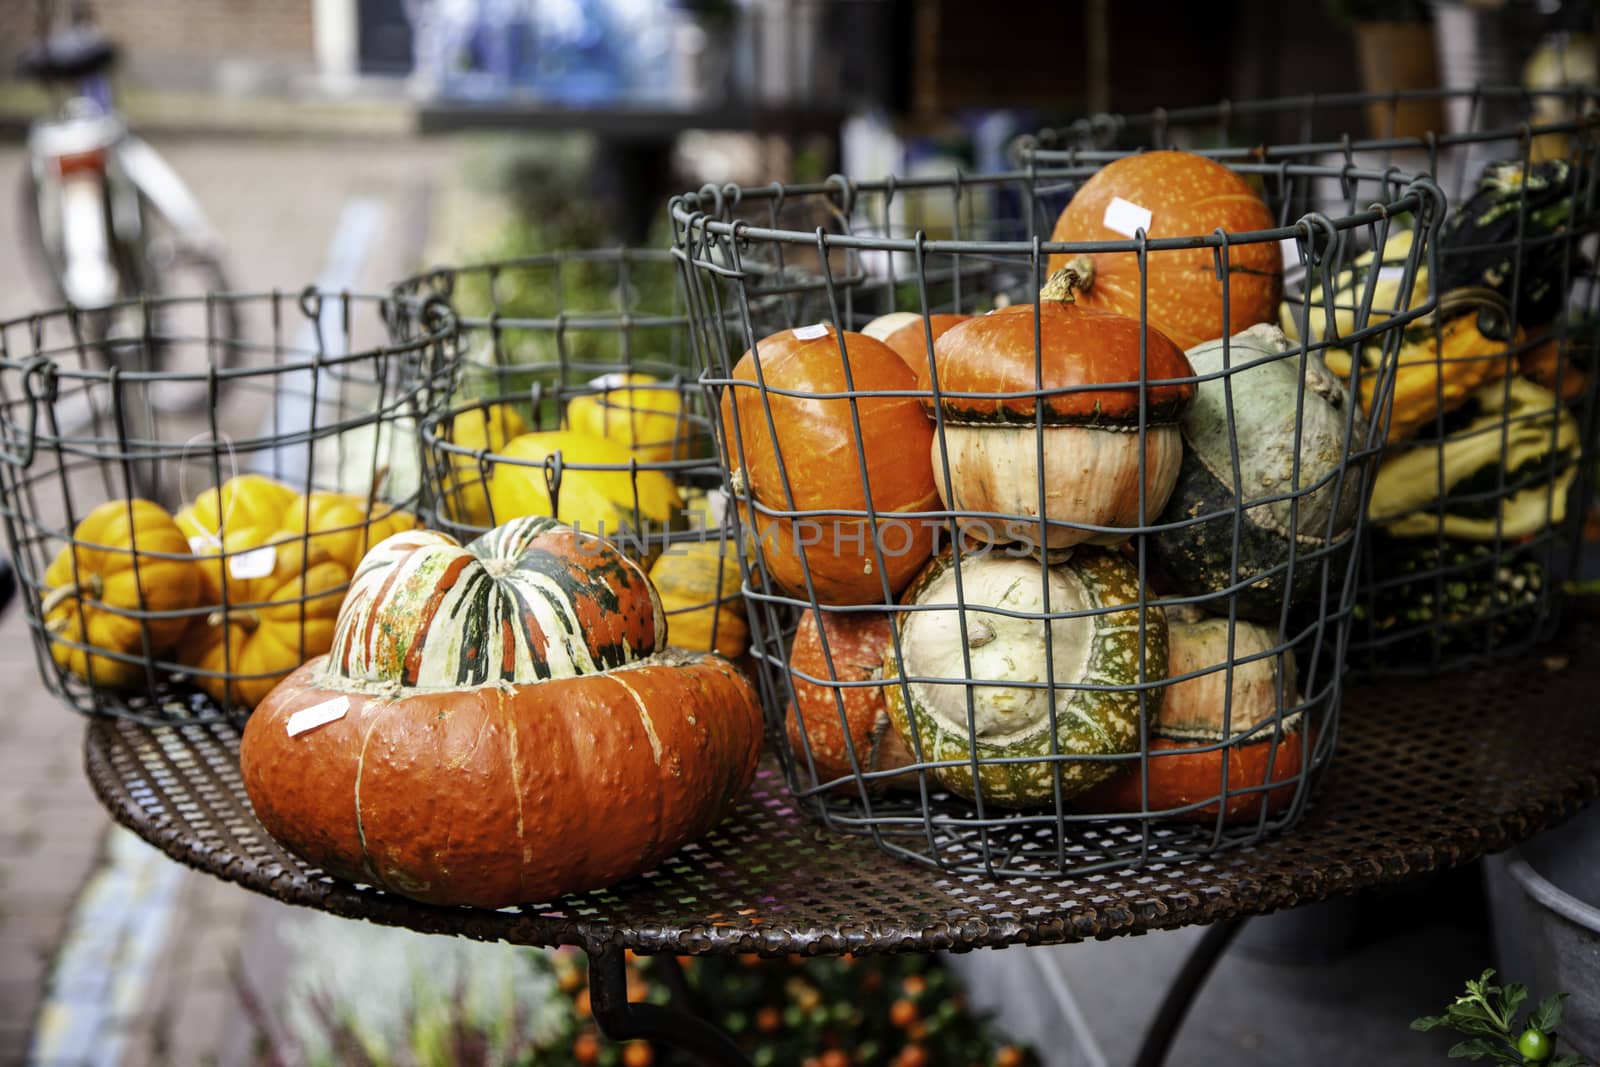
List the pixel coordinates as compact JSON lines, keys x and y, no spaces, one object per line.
{"x":910,"y":342}
{"x":822,"y":457}
{"x":499,"y":724}
{"x":1174,"y":194}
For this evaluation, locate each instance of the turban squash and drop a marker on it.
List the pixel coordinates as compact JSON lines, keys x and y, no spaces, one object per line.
{"x":1089,"y":465}
{"x":500,"y":723}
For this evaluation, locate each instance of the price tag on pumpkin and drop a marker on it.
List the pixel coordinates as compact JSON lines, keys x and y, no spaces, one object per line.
{"x":811,"y":333}
{"x":1126,"y":217}
{"x":256,"y":563}
{"x":317,"y":715}
{"x":202,"y":546}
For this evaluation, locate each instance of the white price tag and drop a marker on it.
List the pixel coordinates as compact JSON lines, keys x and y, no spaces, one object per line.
{"x":317,"y":715}
{"x":1126,"y":217}
{"x":256,"y":563}
{"x":202,"y":546}
{"x":812,"y":332}
{"x":614,"y":380}
{"x":1391,"y":274}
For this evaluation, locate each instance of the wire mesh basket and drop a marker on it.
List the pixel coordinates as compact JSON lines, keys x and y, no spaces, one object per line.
{"x":1032,"y":590}
{"x":1480,"y":502}
{"x":576,"y":398}
{"x":176,"y":568}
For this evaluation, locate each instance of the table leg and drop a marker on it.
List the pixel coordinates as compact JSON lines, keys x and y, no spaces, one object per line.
{"x":1180,"y":995}
{"x":622,"y":1021}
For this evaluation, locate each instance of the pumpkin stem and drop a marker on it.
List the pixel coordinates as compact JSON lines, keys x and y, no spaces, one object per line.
{"x":59,"y":595}
{"x":249,"y":620}
{"x":979,"y":633}
{"x":1076,"y":276}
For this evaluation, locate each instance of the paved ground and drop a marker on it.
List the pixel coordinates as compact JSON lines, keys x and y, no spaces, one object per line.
{"x":277,"y":204}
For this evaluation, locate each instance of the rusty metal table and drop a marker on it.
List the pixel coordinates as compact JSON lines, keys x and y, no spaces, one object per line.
{"x":1427,"y":776}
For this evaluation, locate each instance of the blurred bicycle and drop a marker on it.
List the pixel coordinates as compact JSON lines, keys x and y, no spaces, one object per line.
{"x":111,"y":221}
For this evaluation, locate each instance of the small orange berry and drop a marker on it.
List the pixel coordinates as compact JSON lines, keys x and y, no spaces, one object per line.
{"x":912,"y":1056}
{"x":1008,"y":1056}
{"x":915,"y":985}
{"x":917,"y":1031}
{"x":835,"y":1058}
{"x":586,"y":1050}
{"x":580,"y":1004}
{"x":768,"y":1020}
{"x":638,"y":1054}
{"x":902,"y":1013}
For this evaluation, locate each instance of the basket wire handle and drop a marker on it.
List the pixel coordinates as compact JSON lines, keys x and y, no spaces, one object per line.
{"x":211,"y":538}
{"x":42,"y":369}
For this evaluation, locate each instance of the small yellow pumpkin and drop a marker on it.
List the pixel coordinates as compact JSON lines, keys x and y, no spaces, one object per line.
{"x":242,"y":515}
{"x":643,"y":414}
{"x":482,"y":429}
{"x":599,"y":501}
{"x":343,"y":526}
{"x":698,"y":584}
{"x":128,"y":565}
{"x":240,"y":657}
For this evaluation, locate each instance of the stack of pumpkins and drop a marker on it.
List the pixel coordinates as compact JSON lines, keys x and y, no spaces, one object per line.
{"x":623,"y":442}
{"x":1028,"y":633}
{"x":239,"y":588}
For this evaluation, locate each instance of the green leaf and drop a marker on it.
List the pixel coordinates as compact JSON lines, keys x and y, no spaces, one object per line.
{"x":1476,"y":1049}
{"x":1515,"y":994}
{"x":1429,"y":1022}
{"x":1547,"y":1016}
{"x":1568,"y":1059}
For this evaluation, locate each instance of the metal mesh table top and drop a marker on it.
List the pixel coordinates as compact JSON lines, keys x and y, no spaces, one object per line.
{"x":1427,"y":776}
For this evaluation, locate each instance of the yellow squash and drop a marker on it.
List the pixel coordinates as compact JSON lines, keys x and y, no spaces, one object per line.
{"x":241,"y":657}
{"x":128,"y":564}
{"x":698,"y":583}
{"x":603,"y":501}
{"x":483,"y":429}
{"x":641,"y":413}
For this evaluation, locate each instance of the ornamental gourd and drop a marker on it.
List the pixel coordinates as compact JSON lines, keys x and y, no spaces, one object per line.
{"x":500,"y":723}
{"x":1503,"y":472}
{"x":808,"y":457}
{"x":832,"y":715}
{"x":1187,"y":735}
{"x":993,"y":649}
{"x":1440,"y":362}
{"x":111,"y":591}
{"x":1288,"y":418}
{"x":1173,"y":194}
{"x":1092,"y":449}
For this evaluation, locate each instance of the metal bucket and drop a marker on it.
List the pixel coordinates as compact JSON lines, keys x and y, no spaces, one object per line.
{"x":1560,"y":882}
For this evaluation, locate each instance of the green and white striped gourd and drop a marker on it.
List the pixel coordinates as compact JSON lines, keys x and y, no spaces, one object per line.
{"x":1011,"y":718}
